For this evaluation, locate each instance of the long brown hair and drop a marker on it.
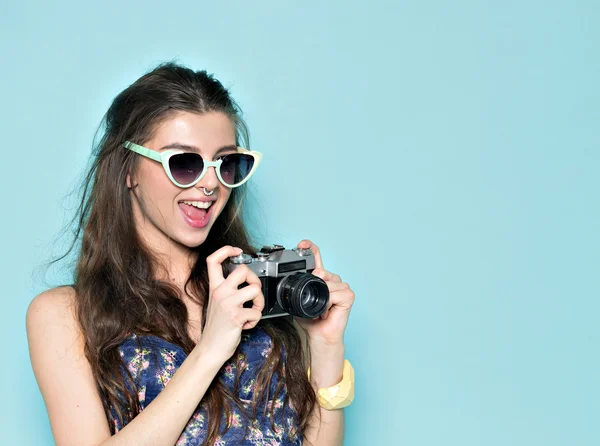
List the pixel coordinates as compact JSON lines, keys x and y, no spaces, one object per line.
{"x":116,"y":289}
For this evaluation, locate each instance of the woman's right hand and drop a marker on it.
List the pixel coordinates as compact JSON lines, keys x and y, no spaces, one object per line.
{"x":226,"y":316}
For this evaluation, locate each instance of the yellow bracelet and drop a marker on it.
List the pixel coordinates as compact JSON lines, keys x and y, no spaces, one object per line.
{"x":340,"y":395}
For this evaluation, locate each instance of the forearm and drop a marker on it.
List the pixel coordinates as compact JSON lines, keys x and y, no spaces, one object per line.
{"x":326,"y":370}
{"x":164,"y":419}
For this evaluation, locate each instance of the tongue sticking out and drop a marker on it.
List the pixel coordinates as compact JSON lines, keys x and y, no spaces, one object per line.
{"x":193,"y":212}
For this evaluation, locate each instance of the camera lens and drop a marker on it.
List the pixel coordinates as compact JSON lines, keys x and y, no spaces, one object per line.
{"x":303,"y":295}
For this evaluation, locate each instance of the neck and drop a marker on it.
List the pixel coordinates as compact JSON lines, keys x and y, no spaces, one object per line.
{"x":175,"y":265}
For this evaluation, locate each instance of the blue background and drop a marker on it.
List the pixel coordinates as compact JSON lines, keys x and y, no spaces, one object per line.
{"x":443,"y":155}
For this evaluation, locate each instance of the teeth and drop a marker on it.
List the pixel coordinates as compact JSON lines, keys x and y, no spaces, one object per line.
{"x":199,"y":204}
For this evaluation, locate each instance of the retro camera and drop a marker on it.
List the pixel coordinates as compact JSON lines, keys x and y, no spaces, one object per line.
{"x":287,"y":283}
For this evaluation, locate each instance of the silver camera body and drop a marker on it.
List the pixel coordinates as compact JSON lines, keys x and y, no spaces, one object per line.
{"x":287,"y":283}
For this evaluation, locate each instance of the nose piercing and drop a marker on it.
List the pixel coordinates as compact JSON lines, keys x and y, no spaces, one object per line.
{"x":206,"y":192}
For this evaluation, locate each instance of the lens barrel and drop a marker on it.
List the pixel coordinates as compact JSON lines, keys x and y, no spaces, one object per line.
{"x":303,"y":295}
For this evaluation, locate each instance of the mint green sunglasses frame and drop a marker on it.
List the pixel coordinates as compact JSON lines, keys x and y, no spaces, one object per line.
{"x":163,"y":158}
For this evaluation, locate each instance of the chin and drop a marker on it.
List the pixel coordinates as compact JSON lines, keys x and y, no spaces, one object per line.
{"x":193,"y":240}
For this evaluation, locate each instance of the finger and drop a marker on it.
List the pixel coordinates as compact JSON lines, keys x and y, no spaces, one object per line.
{"x":325,"y":313}
{"x":214,"y":267}
{"x":343,"y":298}
{"x":251,"y":292}
{"x":326,"y":275}
{"x":307,"y":244}
{"x":337,"y":286}
{"x":252,"y":318}
{"x":242,"y":273}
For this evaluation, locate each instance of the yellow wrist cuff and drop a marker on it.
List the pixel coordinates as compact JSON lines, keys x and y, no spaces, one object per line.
{"x":340,"y":395}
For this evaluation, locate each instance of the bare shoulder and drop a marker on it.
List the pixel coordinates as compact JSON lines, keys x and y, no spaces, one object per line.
{"x":61,"y":369}
{"x":51,"y":317}
{"x":56,"y":305}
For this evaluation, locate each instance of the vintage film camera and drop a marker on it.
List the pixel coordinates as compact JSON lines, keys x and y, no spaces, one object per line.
{"x":287,"y":283}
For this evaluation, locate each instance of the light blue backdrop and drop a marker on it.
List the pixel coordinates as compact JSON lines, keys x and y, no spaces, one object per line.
{"x":444,"y":155}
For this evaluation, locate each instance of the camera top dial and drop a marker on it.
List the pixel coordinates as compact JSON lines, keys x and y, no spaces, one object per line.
{"x":303,"y":252}
{"x":241,"y":258}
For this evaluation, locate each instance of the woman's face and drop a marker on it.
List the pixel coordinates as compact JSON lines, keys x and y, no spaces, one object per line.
{"x":158,"y":204}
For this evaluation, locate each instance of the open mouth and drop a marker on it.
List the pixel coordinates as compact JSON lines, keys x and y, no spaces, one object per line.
{"x":197,"y":212}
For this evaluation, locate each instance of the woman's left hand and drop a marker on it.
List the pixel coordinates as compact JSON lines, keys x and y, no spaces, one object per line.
{"x":329,"y":327}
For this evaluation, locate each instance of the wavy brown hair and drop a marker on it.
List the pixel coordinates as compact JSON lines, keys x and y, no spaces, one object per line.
{"x":116,"y":290}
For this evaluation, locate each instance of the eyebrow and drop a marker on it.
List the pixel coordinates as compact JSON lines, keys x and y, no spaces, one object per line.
{"x":180,"y":146}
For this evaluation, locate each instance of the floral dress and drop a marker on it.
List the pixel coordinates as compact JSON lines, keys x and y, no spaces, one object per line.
{"x":153,"y":365}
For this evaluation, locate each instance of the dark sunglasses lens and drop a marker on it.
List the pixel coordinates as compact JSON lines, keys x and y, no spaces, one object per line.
{"x":186,"y":167}
{"x":236,"y":167}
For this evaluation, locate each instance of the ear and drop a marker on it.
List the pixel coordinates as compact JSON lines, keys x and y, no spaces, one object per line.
{"x":128,"y":180}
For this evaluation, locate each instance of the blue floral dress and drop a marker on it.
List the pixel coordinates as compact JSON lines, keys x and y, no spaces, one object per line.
{"x":156,"y":362}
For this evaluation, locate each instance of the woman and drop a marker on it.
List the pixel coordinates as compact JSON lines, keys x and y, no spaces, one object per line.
{"x":150,"y":304}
